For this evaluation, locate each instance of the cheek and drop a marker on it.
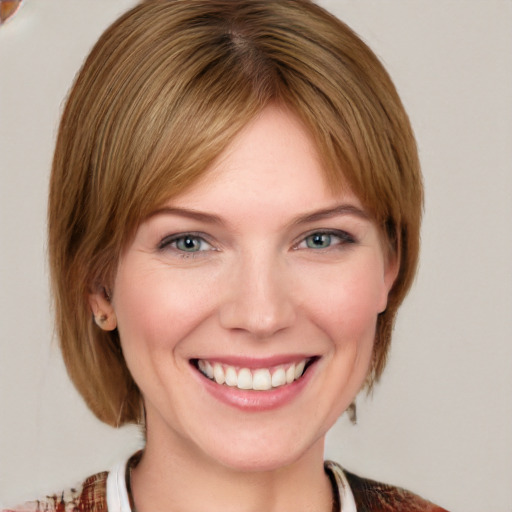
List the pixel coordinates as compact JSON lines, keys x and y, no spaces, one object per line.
{"x":155,"y":309}
{"x":348,"y":302}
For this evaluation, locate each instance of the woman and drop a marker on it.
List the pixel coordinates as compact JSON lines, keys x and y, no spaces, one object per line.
{"x":234,"y":220}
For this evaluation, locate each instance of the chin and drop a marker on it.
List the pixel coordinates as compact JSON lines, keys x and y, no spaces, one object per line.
{"x":261,"y":450}
{"x":259,"y":460}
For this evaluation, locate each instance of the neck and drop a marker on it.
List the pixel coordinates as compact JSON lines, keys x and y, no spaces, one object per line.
{"x":170,"y":476}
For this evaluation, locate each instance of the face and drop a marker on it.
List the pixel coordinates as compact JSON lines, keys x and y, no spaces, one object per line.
{"x":247,"y":306}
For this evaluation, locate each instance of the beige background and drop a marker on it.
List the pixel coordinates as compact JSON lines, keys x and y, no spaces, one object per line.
{"x":440,"y":422}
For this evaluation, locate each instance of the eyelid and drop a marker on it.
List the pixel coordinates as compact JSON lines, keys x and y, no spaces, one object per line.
{"x":344,"y":236}
{"x":169,"y":239}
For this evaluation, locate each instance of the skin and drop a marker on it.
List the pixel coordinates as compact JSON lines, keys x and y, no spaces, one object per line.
{"x":256,"y":284}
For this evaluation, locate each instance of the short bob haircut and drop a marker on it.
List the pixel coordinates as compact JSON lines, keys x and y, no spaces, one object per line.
{"x":161,"y":95}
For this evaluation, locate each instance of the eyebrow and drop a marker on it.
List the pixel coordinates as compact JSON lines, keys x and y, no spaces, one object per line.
{"x":327,"y":213}
{"x":210,"y":218}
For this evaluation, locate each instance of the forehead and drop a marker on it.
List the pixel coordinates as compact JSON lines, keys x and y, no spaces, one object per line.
{"x":272,"y":160}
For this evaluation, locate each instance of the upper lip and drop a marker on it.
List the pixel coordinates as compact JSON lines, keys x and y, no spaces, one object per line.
{"x":256,"y":362}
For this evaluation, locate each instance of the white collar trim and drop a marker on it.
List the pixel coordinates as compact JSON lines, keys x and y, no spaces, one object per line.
{"x":118,"y":501}
{"x":117,"y":494}
{"x":348,"y":503}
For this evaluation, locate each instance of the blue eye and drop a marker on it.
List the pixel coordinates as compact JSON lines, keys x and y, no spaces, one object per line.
{"x":187,"y":243}
{"x":325,"y":240}
{"x":318,"y":241}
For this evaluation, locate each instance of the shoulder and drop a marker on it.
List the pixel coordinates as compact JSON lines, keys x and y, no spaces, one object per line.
{"x":90,"y":496}
{"x":372,"y":496}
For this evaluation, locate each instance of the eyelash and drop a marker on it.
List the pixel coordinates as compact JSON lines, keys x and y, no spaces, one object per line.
{"x":171,"y":242}
{"x":343,"y":238}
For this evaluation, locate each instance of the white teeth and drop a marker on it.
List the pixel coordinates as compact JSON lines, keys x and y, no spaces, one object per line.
{"x":290,"y":374}
{"x":218,"y":374}
{"x":279,"y":378}
{"x":299,"y":369}
{"x":231,"y":377}
{"x":208,"y":370}
{"x":261,"y":379}
{"x":245,"y":379}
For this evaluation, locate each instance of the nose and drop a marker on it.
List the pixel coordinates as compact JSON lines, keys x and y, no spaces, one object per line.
{"x":259,"y":298}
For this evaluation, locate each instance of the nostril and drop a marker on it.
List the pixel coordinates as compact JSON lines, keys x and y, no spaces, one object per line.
{"x":262,"y":320}
{"x":258,"y":297}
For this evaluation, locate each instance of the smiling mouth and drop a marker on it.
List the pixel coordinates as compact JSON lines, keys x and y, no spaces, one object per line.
{"x":257,"y":379}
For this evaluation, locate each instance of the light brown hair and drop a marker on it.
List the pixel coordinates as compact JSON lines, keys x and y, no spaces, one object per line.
{"x":161,"y":95}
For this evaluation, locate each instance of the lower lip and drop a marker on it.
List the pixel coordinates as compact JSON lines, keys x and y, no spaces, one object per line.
{"x":256,"y":401}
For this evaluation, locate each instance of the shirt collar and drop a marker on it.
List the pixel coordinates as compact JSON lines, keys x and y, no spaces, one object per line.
{"x":118,"y":499}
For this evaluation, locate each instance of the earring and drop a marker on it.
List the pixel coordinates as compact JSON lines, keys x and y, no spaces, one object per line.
{"x":352,"y":413}
{"x":100,"y":319}
{"x":106,"y":322}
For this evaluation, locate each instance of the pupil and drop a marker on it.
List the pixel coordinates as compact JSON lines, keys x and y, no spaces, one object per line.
{"x":189,"y":243}
{"x":320,"y":240}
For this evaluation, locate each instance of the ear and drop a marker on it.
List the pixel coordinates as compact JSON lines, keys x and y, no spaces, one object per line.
{"x":391,"y":269}
{"x":102,"y":309}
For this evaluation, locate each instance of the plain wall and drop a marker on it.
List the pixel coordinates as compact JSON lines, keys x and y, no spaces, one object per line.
{"x":440,"y":421}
